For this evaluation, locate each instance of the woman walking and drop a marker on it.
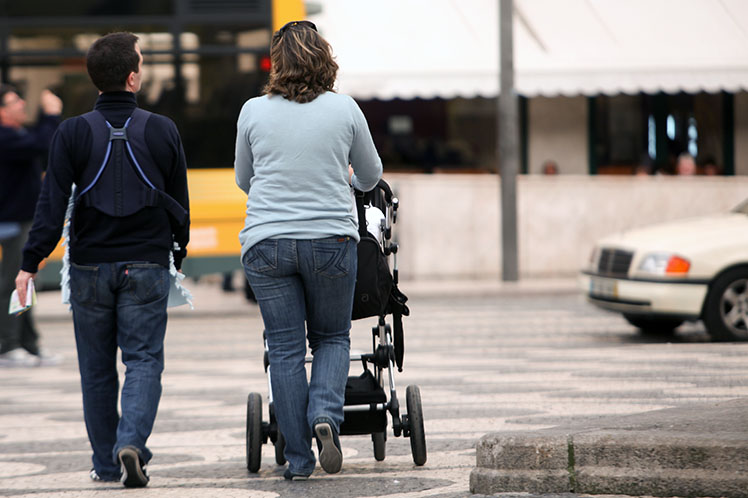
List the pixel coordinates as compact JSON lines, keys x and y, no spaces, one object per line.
{"x":294,"y":146}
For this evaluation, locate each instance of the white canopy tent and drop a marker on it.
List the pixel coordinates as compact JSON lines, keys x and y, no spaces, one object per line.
{"x":448,"y":48}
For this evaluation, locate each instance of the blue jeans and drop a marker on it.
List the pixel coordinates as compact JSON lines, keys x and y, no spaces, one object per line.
{"x":119,"y":304}
{"x":312,"y":281}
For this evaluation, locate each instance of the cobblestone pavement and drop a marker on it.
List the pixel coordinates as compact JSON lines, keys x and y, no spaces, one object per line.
{"x":499,"y":362}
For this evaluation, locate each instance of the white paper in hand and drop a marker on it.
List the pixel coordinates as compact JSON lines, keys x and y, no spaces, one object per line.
{"x":15,"y":308}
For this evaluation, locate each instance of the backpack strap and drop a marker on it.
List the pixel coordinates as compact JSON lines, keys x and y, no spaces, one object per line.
{"x":138,"y":148}
{"x":158,"y":198}
{"x":137,"y":122}
{"x":101,"y":147}
{"x":362,"y":231}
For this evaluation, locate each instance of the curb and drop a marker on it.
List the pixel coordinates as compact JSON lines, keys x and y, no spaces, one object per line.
{"x":690,"y":451}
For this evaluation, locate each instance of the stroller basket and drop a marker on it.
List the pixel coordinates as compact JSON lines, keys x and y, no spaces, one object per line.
{"x":365,"y":403}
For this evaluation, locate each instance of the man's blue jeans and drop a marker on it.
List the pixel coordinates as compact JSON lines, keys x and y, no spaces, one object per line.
{"x":312,"y":281}
{"x":119,"y":304}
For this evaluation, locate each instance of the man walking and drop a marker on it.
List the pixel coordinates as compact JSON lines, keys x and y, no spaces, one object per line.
{"x":21,"y":151}
{"x":131,"y":211}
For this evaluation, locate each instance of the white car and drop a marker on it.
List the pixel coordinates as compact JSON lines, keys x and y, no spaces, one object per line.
{"x":662,"y":275}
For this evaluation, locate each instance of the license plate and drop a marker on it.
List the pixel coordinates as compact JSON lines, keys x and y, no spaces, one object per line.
{"x":603,"y":287}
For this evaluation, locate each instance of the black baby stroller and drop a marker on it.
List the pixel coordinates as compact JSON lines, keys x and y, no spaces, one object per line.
{"x":366,"y":400}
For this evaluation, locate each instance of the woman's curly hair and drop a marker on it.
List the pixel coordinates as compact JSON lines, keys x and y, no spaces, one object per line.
{"x":302,"y":65}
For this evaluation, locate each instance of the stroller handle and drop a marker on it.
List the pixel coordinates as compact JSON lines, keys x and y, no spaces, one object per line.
{"x":383,"y":186}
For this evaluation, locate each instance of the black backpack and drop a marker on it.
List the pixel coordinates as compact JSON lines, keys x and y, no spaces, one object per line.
{"x":123,"y":188}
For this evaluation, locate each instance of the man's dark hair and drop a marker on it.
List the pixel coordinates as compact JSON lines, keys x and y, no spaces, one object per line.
{"x":111,"y":59}
{"x":3,"y":90}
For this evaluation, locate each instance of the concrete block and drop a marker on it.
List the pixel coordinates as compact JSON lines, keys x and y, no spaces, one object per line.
{"x":524,"y":450}
{"x":485,"y":481}
{"x":658,"y":451}
{"x":689,"y":451}
{"x":690,"y":483}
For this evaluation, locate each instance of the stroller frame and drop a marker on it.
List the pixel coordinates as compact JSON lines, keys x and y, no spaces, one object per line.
{"x":367,"y":401}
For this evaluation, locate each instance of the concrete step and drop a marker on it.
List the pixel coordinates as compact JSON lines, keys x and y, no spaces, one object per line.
{"x":690,"y":451}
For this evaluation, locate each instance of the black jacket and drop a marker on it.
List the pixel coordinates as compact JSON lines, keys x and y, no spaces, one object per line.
{"x":144,"y":236}
{"x":21,"y":152}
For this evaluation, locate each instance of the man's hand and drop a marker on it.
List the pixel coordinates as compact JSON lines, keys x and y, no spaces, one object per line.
{"x":50,"y":103}
{"x":22,"y":283}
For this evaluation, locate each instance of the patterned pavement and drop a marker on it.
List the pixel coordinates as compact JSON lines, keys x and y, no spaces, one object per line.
{"x":486,"y":359}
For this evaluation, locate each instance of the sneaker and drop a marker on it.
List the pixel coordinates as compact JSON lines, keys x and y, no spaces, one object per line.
{"x":19,"y":357}
{"x":97,"y":478}
{"x":328,"y":444}
{"x":134,"y":474}
{"x":48,"y":358}
{"x":293,"y":476}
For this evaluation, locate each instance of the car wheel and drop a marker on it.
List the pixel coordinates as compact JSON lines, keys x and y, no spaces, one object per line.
{"x":726,"y":307}
{"x":653,"y":326}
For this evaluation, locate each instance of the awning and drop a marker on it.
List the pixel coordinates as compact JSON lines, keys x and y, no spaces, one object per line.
{"x":447,"y":48}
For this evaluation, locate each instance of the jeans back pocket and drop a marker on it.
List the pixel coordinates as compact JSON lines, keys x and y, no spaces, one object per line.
{"x":263,"y":256}
{"x":331,"y":256}
{"x":83,"y":282}
{"x":147,"y":282}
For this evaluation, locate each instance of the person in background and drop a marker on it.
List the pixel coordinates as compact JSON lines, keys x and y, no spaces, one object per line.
{"x":550,"y":167}
{"x":293,"y":148}
{"x":130,"y":218}
{"x":21,"y":152}
{"x":710,"y":166}
{"x":686,"y":165}
{"x":642,"y":170}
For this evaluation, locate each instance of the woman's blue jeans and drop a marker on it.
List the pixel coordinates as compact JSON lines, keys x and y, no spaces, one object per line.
{"x":119,"y":304}
{"x":312,"y":281}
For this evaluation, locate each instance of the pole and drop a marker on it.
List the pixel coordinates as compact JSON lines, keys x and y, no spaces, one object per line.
{"x":508,"y":145}
{"x":4,"y":59}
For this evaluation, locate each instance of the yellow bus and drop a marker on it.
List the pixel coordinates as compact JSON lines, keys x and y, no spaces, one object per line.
{"x":202,"y":61}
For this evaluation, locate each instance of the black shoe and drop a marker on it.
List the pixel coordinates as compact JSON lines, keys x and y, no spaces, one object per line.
{"x":134,"y":474}
{"x":292,"y":476}
{"x":97,"y":478}
{"x":328,"y":444}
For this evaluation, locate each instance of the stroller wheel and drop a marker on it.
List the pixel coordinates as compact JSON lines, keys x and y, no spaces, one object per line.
{"x":415,"y":420}
{"x":379,"y":439}
{"x":280,"y":445}
{"x":254,"y":431}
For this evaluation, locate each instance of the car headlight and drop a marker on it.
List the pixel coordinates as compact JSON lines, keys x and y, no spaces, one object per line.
{"x":664,"y":263}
